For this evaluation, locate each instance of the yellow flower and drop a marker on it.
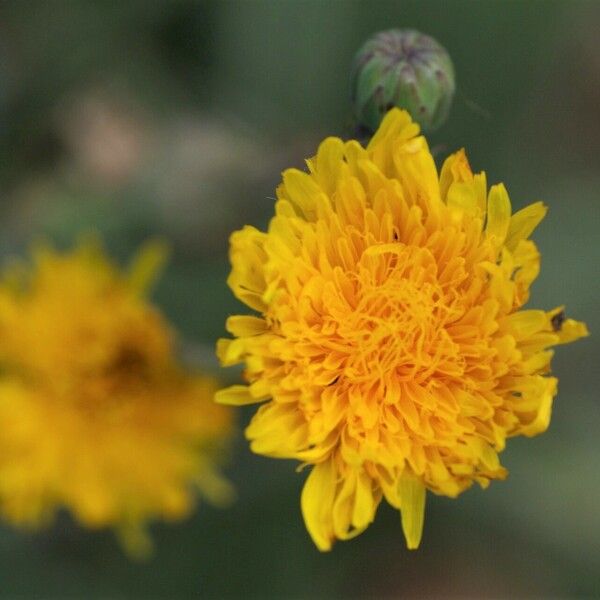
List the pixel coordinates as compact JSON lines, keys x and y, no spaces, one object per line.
{"x":95,"y":414}
{"x":390,"y":351}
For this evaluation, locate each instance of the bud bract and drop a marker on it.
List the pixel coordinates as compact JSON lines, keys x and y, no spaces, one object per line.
{"x":406,"y":69}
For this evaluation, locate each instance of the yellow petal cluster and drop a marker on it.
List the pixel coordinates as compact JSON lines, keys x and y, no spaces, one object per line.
{"x":96,"y":416}
{"x":390,"y":350}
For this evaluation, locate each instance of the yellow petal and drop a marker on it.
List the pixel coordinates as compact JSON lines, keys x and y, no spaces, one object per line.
{"x":213,"y":486}
{"x":364,"y":502}
{"x":354,"y":506}
{"x":412,"y":506}
{"x":342,"y":508}
{"x":538,"y":421}
{"x":525,"y":323}
{"x":456,"y":177}
{"x":302,"y":191}
{"x":572,"y":330}
{"x":416,"y":170}
{"x":135,"y":540}
{"x":455,"y":168}
{"x":316,"y":501}
{"x":498,"y":213}
{"x":523,"y":222}
{"x":248,"y":258}
{"x":147,"y":264}
{"x":463,"y":196}
{"x":245,"y":325}
{"x":327,"y":163}
{"x":396,"y":123}
{"x":230,"y":352}
{"x":236,"y":395}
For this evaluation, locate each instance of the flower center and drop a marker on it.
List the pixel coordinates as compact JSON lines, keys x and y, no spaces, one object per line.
{"x":396,"y":327}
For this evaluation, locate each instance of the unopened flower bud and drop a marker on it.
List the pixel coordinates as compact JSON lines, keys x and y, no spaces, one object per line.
{"x":403,"y":68}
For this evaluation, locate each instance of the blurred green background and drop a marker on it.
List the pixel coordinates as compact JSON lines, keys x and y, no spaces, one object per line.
{"x":138,"y":118}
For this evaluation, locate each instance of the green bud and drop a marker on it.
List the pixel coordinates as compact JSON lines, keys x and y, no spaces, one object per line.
{"x":403,"y":68}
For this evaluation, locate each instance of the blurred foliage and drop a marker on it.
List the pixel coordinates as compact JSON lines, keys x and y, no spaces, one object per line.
{"x":175,"y":118}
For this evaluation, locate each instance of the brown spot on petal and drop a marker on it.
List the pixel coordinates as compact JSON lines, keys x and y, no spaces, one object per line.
{"x":557,"y":320}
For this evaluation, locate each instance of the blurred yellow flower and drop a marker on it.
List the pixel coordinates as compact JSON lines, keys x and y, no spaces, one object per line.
{"x":95,"y":414}
{"x":390,"y":351}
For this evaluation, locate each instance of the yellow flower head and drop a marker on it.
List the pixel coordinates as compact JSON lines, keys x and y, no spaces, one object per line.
{"x":95,"y":414}
{"x":390,"y":351}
